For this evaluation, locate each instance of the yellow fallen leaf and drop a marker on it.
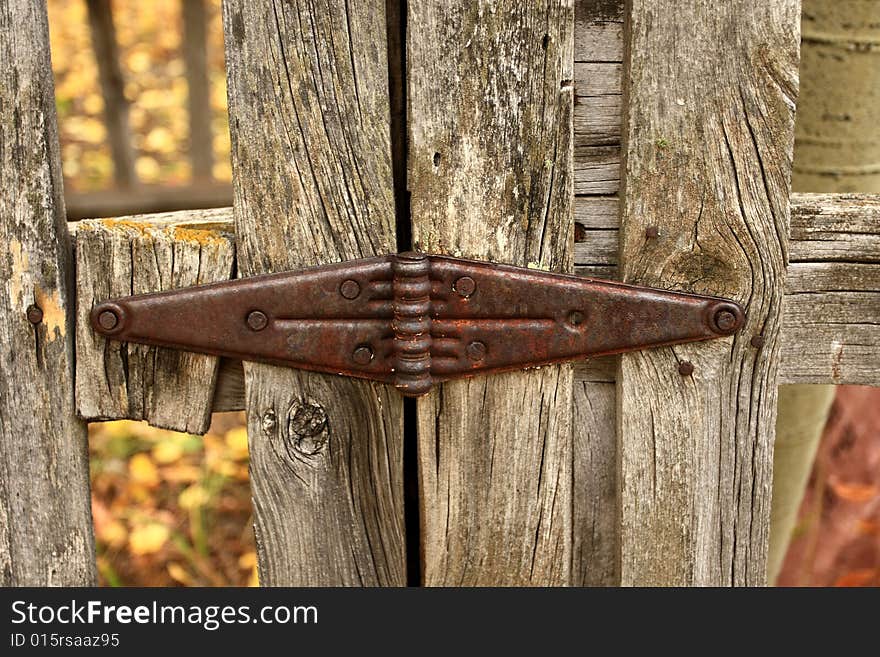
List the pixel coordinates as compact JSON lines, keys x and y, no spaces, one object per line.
{"x":168,"y":451}
{"x":193,"y":497}
{"x":143,"y":471}
{"x":112,"y":533}
{"x":237,"y":442}
{"x":247,"y":560}
{"x":180,"y":574}
{"x":148,"y":539}
{"x":181,"y":474}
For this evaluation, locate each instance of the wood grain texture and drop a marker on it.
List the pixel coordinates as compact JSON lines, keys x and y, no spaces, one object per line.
{"x":709,"y":138}
{"x":598,"y":34}
{"x":168,"y":388}
{"x":46,"y":535}
{"x":309,"y":118}
{"x":595,"y":559}
{"x":490,"y":173}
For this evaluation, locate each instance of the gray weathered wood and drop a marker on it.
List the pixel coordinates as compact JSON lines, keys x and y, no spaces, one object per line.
{"x":844,"y":227}
{"x":46,"y":535}
{"x":309,"y":118}
{"x":598,"y":34}
{"x":490,"y":106}
{"x":133,"y":255}
{"x":112,"y":90}
{"x":596,"y":528}
{"x":709,"y":134}
{"x":195,"y":56}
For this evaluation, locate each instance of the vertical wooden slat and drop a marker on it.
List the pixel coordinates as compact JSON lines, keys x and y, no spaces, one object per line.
{"x":112,"y":90}
{"x":708,"y":143}
{"x":46,"y":533}
{"x":309,"y":115}
{"x":490,"y":173}
{"x":596,"y":540}
{"x":195,"y":57}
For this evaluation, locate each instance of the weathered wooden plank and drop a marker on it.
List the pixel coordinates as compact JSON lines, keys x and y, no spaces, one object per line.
{"x":597,"y":170}
{"x":597,"y":104}
{"x":112,"y":82}
{"x":133,"y":255}
{"x":46,"y":535}
{"x":709,"y":136}
{"x":309,"y":119}
{"x":490,"y":105}
{"x":198,"y":99}
{"x":596,"y":528}
{"x":843,"y":227}
{"x":598,"y":34}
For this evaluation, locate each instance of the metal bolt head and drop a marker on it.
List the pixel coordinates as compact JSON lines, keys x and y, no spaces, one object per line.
{"x":108,"y":320}
{"x":464,"y":286}
{"x":362,"y":355}
{"x":576,"y":318}
{"x":652,"y":232}
{"x":685,"y":368}
{"x":34,"y":314}
{"x":725,"y":320}
{"x":350,"y":289}
{"x":757,"y":341}
{"x":257,"y":320}
{"x":476,"y":350}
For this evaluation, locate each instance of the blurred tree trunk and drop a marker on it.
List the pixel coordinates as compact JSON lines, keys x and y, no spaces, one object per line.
{"x":837,"y":149}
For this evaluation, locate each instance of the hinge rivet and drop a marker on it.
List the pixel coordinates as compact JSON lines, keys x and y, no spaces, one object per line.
{"x":476,"y":350}
{"x":34,"y":314}
{"x":576,"y":318}
{"x":362,"y":355}
{"x":464,"y":286}
{"x":685,"y":368}
{"x":350,"y":289}
{"x":757,"y":341}
{"x":108,"y":320}
{"x":725,"y":320}
{"x":257,"y":320}
{"x":651,"y":232}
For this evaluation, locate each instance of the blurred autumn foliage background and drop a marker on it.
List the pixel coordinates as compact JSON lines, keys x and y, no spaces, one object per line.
{"x":169,"y":509}
{"x":173,"y":509}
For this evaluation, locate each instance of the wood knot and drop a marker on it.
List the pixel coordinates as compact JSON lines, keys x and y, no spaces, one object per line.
{"x":269,"y":422}
{"x":307,"y":427}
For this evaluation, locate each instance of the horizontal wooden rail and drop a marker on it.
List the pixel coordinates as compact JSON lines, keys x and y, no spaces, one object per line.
{"x":831,"y":331}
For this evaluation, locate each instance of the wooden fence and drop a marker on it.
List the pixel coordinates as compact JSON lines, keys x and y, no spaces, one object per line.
{"x":550,"y":134}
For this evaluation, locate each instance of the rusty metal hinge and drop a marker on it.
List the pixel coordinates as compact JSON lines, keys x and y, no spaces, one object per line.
{"x":413,"y":320}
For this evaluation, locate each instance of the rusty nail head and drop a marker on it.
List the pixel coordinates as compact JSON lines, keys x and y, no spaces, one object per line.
{"x":362,"y":355}
{"x":576,"y":318}
{"x":757,"y":341}
{"x":108,"y":320}
{"x":465,"y":286}
{"x":652,"y":232}
{"x":685,"y":368}
{"x":476,"y":350}
{"x":34,"y":314}
{"x":257,"y":320}
{"x":350,"y":289}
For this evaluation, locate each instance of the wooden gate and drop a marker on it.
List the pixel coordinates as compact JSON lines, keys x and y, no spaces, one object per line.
{"x":650,"y":143}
